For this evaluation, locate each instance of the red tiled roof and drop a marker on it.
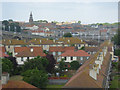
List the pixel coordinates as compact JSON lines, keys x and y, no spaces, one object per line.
{"x":103,"y":30}
{"x":75,"y":53}
{"x":29,"y":25}
{"x":26,"y":51}
{"x":60,"y":49}
{"x":2,"y":52}
{"x":2,"y":49}
{"x":18,"y":84}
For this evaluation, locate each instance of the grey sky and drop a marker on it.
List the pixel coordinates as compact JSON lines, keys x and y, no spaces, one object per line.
{"x":95,"y":12}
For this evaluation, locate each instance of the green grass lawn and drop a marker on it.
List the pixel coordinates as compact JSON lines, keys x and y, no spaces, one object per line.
{"x":16,"y":77}
{"x":115,"y":83}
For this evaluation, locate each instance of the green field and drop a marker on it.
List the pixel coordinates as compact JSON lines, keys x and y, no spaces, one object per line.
{"x":115,"y":83}
{"x":16,"y":77}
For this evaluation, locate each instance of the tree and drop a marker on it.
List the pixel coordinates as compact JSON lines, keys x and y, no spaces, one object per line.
{"x":39,"y":62}
{"x":62,"y":65}
{"x":115,"y":39}
{"x":10,"y":20}
{"x":82,"y":48}
{"x":12,"y":27}
{"x":74,"y":65}
{"x":7,"y":65}
{"x":6,"y":23}
{"x":36,"y":77}
{"x":67,"y":35}
{"x":15,"y":68}
{"x":79,"y":22}
{"x":52,"y":62}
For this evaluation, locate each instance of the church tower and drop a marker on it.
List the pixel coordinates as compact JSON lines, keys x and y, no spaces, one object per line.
{"x":31,"y":18}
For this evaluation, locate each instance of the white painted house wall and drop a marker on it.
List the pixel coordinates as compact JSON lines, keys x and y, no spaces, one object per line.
{"x":20,"y":61}
{"x":68,"y":59}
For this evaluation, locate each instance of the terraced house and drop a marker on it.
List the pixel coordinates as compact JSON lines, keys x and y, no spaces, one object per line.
{"x":57,"y":51}
{"x":91,"y":50}
{"x":94,"y":73}
{"x":22,"y":54}
{"x":10,"y":44}
{"x":73,"y":55}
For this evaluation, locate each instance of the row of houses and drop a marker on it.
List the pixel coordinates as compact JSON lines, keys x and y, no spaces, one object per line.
{"x":62,"y":48}
{"x":70,"y":54}
{"x":95,"y":72}
{"x":45,"y":43}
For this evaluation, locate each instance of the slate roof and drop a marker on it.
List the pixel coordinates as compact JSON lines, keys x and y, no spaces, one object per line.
{"x":82,"y":79}
{"x":91,"y":49}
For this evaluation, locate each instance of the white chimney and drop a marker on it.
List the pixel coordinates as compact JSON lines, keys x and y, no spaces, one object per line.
{"x":10,"y":41}
{"x":54,"y":41}
{"x":98,"y":62}
{"x":25,"y":41}
{"x":5,"y":78}
{"x":40,"y":41}
{"x":68,"y":40}
{"x":81,"y":40}
{"x":93,"y":73}
{"x":31,"y":49}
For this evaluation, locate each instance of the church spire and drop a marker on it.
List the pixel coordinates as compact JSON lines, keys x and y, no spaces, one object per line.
{"x":31,"y":18}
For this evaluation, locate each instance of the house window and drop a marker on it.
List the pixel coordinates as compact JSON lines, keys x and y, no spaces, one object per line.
{"x":27,"y":58}
{"x":81,"y":58}
{"x":87,"y":57}
{"x":71,"y":58}
{"x":54,"y":53}
{"x":8,"y":46}
{"x":59,"y":53}
{"x":21,"y":58}
{"x":65,"y":58}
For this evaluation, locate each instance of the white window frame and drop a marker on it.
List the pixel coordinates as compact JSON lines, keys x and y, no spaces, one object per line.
{"x":54,"y":53}
{"x":81,"y":58}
